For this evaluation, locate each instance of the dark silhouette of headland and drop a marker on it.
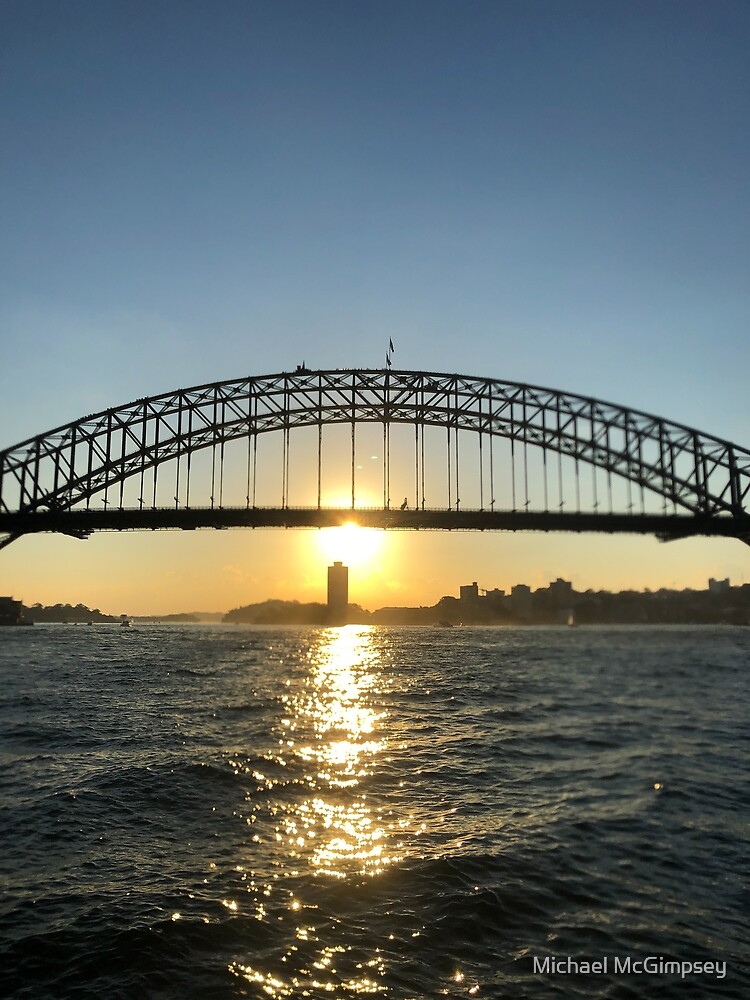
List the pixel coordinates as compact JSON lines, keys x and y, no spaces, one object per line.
{"x":336,"y":611}
{"x":558,"y":603}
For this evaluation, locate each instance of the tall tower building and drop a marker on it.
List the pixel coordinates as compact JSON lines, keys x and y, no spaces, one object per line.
{"x":338,"y":592}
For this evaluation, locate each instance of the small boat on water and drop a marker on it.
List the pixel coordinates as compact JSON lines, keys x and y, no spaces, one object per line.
{"x":125,"y":623}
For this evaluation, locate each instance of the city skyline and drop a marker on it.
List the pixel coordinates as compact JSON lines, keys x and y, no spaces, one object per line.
{"x":312,"y":588}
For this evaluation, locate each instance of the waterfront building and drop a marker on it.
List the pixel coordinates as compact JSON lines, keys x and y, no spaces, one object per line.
{"x":11,"y":612}
{"x":469,"y":592}
{"x":520,"y":601}
{"x":561,"y":593}
{"x":338,"y":592}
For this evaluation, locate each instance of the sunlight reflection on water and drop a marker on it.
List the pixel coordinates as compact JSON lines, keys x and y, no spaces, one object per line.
{"x":332,"y":729}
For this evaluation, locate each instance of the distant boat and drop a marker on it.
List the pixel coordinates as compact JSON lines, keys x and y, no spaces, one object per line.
{"x":125,"y":622}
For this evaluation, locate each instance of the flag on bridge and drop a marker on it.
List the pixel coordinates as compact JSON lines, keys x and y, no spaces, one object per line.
{"x":388,"y":353}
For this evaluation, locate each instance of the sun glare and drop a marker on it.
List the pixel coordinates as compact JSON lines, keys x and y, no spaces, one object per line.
{"x":351,"y":544}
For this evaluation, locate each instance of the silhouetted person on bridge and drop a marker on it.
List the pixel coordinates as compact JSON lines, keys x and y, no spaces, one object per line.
{"x":405,"y":504}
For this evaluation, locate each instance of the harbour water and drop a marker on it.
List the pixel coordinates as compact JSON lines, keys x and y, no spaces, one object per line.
{"x":221,"y":812}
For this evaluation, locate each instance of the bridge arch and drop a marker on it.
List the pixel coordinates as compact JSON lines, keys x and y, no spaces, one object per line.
{"x":703,"y":481}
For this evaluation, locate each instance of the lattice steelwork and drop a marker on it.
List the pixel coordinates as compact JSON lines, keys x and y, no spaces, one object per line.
{"x":50,"y":481}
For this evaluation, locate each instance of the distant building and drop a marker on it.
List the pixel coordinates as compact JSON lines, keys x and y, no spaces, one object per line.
{"x":469,"y":592}
{"x":519,"y":601}
{"x":495,"y":597}
{"x":561,"y":592}
{"x":718,"y":586}
{"x":11,"y":612}
{"x":338,"y":592}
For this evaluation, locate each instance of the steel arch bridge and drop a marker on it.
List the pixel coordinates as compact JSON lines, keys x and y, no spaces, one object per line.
{"x":539,"y":459}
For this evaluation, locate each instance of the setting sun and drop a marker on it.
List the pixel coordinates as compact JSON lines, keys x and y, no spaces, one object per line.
{"x":352,"y":544}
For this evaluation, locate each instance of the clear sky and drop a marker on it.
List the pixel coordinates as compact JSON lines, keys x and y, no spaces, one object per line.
{"x":550,"y":192}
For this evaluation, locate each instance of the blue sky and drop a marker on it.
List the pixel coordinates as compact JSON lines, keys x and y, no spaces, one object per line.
{"x":552,"y":192}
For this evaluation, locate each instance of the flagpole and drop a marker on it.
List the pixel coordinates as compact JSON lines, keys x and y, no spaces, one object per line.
{"x":387,"y":432}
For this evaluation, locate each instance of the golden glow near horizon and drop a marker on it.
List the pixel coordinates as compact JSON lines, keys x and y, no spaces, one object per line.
{"x":353,"y":545}
{"x":157,"y":573}
{"x":365,"y":550}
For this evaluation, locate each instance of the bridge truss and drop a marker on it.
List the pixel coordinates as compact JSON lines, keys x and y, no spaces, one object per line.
{"x":593,"y":465}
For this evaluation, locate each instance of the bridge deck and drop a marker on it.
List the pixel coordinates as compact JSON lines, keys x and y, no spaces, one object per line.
{"x":83,"y":522}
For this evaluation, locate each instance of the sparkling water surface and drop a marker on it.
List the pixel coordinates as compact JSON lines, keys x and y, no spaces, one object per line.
{"x":221,"y":812}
